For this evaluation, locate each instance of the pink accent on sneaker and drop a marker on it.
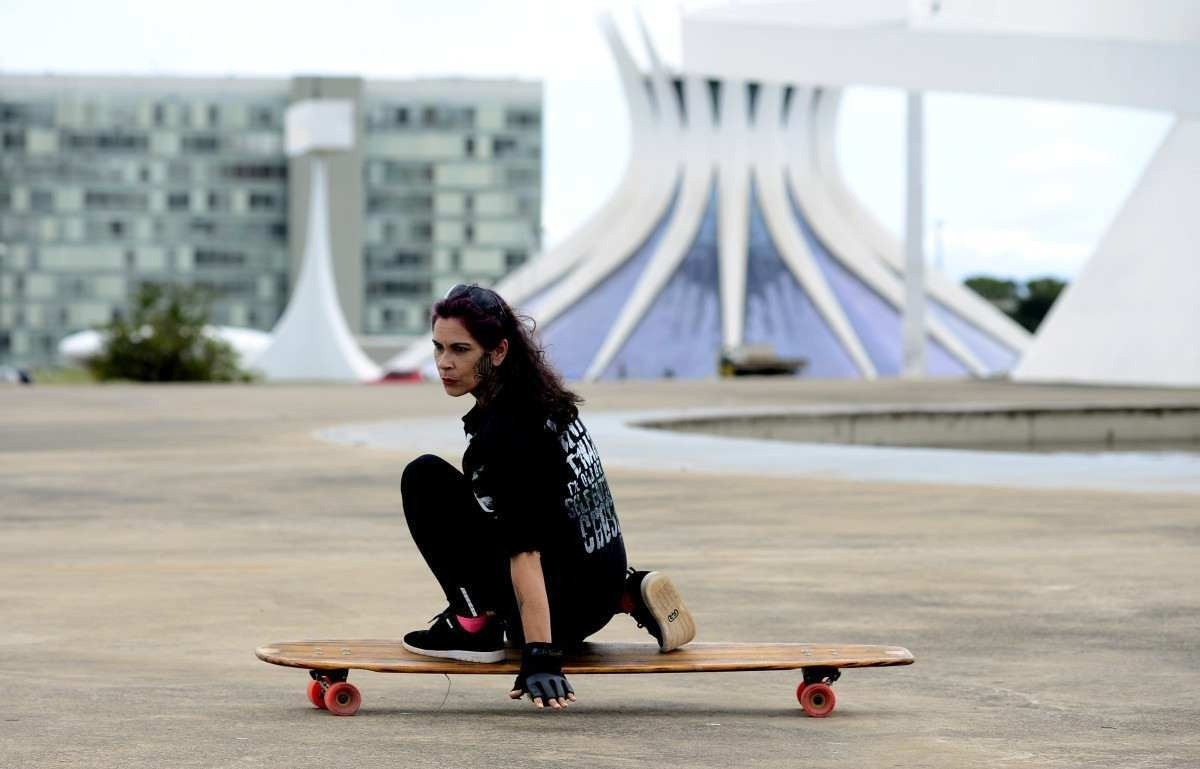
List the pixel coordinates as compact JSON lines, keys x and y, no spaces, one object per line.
{"x":471,"y":624}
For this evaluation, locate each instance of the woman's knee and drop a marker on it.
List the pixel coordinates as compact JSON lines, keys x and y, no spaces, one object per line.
{"x":423,"y":473}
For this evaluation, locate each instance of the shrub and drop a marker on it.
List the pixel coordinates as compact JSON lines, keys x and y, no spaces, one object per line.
{"x":163,"y":340}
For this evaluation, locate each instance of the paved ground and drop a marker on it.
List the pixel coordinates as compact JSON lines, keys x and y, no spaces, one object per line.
{"x":150,"y":538}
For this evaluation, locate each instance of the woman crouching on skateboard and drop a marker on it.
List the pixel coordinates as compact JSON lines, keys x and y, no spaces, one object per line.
{"x":526,"y":538}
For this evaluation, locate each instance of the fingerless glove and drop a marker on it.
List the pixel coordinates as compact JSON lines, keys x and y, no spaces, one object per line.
{"x":541,"y":672}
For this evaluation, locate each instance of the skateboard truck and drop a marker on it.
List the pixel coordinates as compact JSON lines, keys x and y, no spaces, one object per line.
{"x":820,"y":675}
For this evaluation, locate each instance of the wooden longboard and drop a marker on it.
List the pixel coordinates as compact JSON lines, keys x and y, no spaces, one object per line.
{"x":330,"y":661}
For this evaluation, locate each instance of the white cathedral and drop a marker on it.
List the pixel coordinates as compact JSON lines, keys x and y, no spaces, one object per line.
{"x":732,"y":228}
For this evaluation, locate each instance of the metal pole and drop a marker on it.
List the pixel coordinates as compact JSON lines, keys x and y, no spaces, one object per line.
{"x":914,"y":245}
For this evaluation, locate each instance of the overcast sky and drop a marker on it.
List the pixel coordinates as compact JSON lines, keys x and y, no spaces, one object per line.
{"x":1022,"y":188}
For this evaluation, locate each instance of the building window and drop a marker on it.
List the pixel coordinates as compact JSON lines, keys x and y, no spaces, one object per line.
{"x":422,"y":231}
{"x":412,"y":204}
{"x":503,"y":147}
{"x":178,"y":201}
{"x":106,"y":141}
{"x":204,"y":227}
{"x":14,"y":140}
{"x":469,"y":233}
{"x":381,"y":288}
{"x":159,"y":115}
{"x":469,"y":203}
{"x":400,"y":173}
{"x":522,"y":118}
{"x":201,"y":143}
{"x":254,"y":171}
{"x":520,"y":176}
{"x":107,"y":199}
{"x":262,"y":201}
{"x":262,"y":117}
{"x":206,"y":257}
{"x":469,"y":146}
{"x":402,"y":116}
{"x":514,"y":259}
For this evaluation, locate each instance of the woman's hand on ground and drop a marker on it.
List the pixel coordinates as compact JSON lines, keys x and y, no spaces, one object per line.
{"x":542,"y":678}
{"x":535,"y":686}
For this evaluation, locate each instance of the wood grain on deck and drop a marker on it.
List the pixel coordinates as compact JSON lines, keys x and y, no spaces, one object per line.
{"x":389,"y":656}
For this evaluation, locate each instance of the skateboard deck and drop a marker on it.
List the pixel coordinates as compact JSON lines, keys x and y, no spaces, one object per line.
{"x":330,"y":661}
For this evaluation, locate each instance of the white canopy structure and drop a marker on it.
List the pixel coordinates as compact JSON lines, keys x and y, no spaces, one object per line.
{"x":312,"y":341}
{"x":733,"y":227}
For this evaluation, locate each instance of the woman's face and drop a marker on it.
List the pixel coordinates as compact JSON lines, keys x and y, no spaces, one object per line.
{"x":457,"y":355}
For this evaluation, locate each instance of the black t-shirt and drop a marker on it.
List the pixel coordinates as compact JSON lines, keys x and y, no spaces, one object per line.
{"x":543,"y":486}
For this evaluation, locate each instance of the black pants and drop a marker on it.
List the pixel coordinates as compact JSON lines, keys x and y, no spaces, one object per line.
{"x":462,"y":548}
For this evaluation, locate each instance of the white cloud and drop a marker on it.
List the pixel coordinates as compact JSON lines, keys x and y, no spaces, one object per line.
{"x":1010,"y":252}
{"x":1053,"y":195}
{"x":1059,"y":156}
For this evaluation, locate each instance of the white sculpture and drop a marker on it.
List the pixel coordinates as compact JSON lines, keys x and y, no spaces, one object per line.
{"x":312,"y":341}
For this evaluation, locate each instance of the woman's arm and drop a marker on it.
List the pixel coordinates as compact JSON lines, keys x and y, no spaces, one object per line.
{"x":530,"y":588}
{"x":541,"y":663}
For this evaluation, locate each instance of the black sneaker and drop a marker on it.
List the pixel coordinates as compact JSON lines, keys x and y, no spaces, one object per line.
{"x":653,"y":600}
{"x":446,"y":638}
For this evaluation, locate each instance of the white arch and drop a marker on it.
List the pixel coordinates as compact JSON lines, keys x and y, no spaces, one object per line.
{"x":770,"y":172}
{"x":694,"y":196}
{"x":885,"y":246}
{"x":842,"y":242}
{"x":733,"y":227}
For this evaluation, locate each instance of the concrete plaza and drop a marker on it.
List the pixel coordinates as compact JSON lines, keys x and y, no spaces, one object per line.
{"x":152,"y":537}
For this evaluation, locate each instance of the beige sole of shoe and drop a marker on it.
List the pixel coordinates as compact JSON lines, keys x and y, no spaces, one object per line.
{"x":665,"y":603}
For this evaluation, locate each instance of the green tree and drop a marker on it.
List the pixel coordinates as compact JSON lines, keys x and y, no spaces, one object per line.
{"x":162,"y":340}
{"x":1036,"y":300}
{"x":1026,"y":303}
{"x":1000,"y":292}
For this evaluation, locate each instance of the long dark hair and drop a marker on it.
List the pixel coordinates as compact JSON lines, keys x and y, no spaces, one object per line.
{"x":525,"y":373}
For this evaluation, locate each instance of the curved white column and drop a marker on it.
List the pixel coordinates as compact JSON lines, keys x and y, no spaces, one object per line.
{"x":657,"y":178}
{"x":884,"y":245}
{"x":770,"y":171}
{"x":840,"y":239}
{"x":694,"y":195}
{"x":311,"y":339}
{"x":610,"y":234}
{"x":733,"y":224}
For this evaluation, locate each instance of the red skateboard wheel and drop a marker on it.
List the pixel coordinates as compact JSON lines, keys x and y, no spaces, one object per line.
{"x":342,"y":699}
{"x":316,"y":695}
{"x":817,"y":700}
